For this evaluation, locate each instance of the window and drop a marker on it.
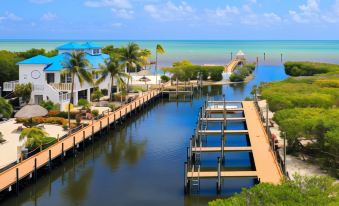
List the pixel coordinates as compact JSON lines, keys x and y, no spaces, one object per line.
{"x":66,"y":78}
{"x":96,"y":51}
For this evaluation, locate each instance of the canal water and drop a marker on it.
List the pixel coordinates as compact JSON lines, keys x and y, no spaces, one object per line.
{"x":142,"y":161}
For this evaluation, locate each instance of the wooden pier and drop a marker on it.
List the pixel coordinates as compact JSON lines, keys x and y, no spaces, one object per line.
{"x":265,"y":165}
{"x":29,"y":167}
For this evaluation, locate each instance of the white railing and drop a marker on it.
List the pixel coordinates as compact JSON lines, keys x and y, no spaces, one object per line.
{"x":38,"y":87}
{"x":63,"y":86}
{"x":10,"y":86}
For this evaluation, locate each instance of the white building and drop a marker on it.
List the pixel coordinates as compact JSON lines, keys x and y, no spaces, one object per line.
{"x":44,"y":73}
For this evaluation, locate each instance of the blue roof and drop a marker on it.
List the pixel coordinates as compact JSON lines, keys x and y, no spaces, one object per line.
{"x":71,"y":46}
{"x":40,"y":59}
{"x":91,"y":45}
{"x":58,"y":61}
{"x":75,"y":46}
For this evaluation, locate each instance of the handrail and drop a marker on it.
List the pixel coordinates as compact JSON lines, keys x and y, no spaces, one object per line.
{"x":27,"y":166}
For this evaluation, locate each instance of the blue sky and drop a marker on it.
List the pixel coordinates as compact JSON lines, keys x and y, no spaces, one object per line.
{"x":157,"y":19}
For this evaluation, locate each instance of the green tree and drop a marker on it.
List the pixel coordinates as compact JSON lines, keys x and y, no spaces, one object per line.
{"x":49,"y":105}
{"x":96,"y":95}
{"x":34,"y":136}
{"x":6,"y":108}
{"x":131,"y":56}
{"x":158,"y":50}
{"x":76,"y":67}
{"x":114,"y":70}
{"x":145,"y":54}
{"x":24,"y":91}
{"x":313,"y":191}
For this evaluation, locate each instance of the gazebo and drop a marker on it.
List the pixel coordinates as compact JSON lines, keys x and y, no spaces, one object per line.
{"x":240,"y":55}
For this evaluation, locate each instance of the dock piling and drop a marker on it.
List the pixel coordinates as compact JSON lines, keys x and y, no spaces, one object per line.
{"x":219,"y":177}
{"x":17,"y":181}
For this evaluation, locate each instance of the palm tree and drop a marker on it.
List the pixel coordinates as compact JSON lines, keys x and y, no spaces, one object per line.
{"x":145,"y":54}
{"x":34,"y":136}
{"x":76,"y":67}
{"x":114,"y":70}
{"x":159,"y":49}
{"x":130,"y":56}
{"x":6,"y":108}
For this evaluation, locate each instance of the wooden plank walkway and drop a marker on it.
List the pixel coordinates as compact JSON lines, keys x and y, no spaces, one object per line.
{"x":214,"y":174}
{"x":232,"y":65}
{"x":220,"y":109}
{"x":219,"y":132}
{"x":218,"y":149}
{"x":27,"y":166}
{"x":266,"y":165}
{"x":220,"y":119}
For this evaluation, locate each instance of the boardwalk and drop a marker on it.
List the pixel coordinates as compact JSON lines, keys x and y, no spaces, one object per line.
{"x":29,"y":166}
{"x":232,"y":65}
{"x":265,"y":169}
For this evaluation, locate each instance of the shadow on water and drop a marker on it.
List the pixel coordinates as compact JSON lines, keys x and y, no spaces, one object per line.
{"x":141,"y":162}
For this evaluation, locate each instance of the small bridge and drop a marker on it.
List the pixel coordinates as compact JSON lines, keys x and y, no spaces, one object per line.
{"x":232,"y":65}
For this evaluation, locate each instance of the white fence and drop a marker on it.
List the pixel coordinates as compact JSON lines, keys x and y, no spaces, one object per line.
{"x":10,"y":86}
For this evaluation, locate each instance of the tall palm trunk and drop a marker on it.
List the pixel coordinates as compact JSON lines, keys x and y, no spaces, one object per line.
{"x":110,"y":89}
{"x":70,"y":102}
{"x":156,"y":67}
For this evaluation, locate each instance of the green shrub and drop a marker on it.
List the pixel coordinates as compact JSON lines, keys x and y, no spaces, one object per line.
{"x":95,"y":112}
{"x":96,"y":95}
{"x":84,"y":103}
{"x":48,"y":141}
{"x":237,"y":77}
{"x":6,"y":108}
{"x":24,"y":91}
{"x":164,"y":78}
{"x":314,"y":190}
{"x":49,"y":105}
{"x":112,"y":106}
{"x":309,"y":68}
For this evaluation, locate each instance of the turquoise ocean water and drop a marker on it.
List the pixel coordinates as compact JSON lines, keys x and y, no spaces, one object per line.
{"x":212,"y":52}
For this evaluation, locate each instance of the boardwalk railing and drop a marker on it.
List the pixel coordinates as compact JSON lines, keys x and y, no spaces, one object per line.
{"x":29,"y":166}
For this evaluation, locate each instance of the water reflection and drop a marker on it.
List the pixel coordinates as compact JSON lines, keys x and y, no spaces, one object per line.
{"x":122,"y":148}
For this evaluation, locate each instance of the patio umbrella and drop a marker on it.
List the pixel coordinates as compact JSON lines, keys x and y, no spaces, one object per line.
{"x":29,"y":111}
{"x":144,"y":79}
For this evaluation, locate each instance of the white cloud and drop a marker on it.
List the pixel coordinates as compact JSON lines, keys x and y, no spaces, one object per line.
{"x":272,"y":17}
{"x":121,"y":4}
{"x":170,"y":11}
{"x":308,"y":12}
{"x":9,"y":16}
{"x":40,"y":1}
{"x":123,"y":13}
{"x":222,"y":16}
{"x":116,"y":25}
{"x":48,"y":16}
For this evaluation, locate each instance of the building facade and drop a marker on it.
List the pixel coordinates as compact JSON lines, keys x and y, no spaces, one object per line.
{"x":48,"y":81}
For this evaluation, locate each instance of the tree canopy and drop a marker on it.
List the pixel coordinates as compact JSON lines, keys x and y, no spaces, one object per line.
{"x":312,"y":191}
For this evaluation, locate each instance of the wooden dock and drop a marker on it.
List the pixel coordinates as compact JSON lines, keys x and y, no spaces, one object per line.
{"x":266,"y":167}
{"x":232,"y":65}
{"x":29,"y":167}
{"x":218,"y":149}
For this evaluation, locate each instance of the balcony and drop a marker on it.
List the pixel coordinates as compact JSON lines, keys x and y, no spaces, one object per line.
{"x":62,"y":86}
{"x":10,"y":86}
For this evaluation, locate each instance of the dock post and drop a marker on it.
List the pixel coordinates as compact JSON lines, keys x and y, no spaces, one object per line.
{"x":92,"y":134}
{"x":83,"y":139}
{"x":264,"y":56}
{"x":190,"y":151}
{"x":267,"y":118}
{"x":219,"y":177}
{"x":17,"y":181}
{"x":222,"y":141}
{"x":231,"y":56}
{"x":186,"y":180}
{"x":281,"y":57}
{"x":100,"y":128}
{"x":108,"y":124}
{"x":62,"y":151}
{"x":74,"y":145}
{"x":35,"y":170}
{"x":49,"y":160}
